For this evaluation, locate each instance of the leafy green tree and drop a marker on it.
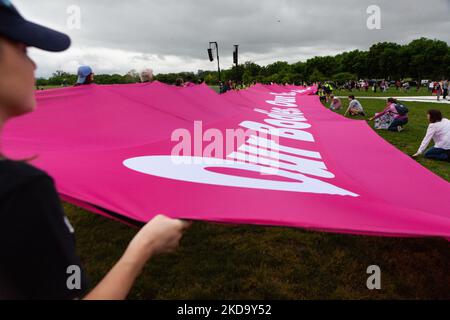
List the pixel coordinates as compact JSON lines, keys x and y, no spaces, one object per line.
{"x":344,"y":77}
{"x":317,"y":76}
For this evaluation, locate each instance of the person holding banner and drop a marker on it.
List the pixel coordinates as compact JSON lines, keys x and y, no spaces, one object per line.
{"x":146,"y":76}
{"x":37,"y":247}
{"x":85,"y":76}
{"x":390,"y":118}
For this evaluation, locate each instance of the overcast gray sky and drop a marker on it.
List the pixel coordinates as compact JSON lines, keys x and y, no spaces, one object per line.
{"x":173,"y":35}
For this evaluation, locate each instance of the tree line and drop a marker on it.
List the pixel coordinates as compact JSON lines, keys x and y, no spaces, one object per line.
{"x":420,"y":59}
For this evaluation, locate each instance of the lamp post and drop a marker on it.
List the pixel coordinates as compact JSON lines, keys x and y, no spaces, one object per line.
{"x":236,"y":55}
{"x":211,"y":57}
{"x":236,"y":60}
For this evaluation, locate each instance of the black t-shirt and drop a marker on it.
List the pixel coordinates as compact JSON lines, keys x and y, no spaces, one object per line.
{"x":37,"y":244}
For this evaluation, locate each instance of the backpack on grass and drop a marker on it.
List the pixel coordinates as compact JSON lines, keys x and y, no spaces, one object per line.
{"x":401,"y":109}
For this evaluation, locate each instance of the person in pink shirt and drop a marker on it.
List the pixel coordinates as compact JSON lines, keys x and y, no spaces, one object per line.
{"x":336,"y":103}
{"x":399,"y":120}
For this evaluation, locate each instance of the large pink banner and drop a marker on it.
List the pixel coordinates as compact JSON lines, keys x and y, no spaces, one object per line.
{"x":268,"y":155}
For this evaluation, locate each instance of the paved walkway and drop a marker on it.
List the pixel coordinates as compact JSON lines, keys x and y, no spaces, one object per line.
{"x":429,"y":99}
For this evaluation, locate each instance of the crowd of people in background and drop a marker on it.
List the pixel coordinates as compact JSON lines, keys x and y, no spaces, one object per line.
{"x":439,"y":88}
{"x":378,"y":85}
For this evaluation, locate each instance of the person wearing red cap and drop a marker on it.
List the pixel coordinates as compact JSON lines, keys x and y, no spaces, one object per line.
{"x":37,"y":247}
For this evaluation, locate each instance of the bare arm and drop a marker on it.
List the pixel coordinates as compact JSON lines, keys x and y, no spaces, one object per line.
{"x":378,"y":115}
{"x":348,"y":110}
{"x":161,"y":235}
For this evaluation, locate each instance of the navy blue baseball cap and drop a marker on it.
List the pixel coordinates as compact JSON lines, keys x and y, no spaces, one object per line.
{"x":13,"y":26}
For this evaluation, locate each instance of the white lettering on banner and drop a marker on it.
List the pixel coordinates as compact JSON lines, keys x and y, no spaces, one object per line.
{"x":256,"y":155}
{"x":282,"y":133}
{"x":162,"y":166}
{"x":281,"y":116}
{"x":283,"y":101}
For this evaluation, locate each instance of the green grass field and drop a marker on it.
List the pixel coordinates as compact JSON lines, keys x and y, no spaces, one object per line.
{"x":248,"y":262}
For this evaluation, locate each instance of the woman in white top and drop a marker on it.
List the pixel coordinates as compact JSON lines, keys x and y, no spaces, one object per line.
{"x":439,"y":132}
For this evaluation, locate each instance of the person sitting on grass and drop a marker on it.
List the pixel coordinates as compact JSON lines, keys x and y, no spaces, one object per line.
{"x":336,"y":103}
{"x":355,"y":108}
{"x":439,"y":132}
{"x":85,"y":76}
{"x":37,"y":244}
{"x":384,"y":119}
{"x":393,"y":118}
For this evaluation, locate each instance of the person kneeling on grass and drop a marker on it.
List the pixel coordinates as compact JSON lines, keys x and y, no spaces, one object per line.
{"x":355,"y":108}
{"x":393,"y":117}
{"x":37,"y":244}
{"x":336,"y":103}
{"x":439,"y":132}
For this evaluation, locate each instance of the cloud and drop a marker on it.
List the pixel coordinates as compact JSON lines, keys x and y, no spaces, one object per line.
{"x":172,"y":35}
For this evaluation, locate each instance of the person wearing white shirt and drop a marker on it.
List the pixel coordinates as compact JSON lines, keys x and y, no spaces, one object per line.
{"x":355,"y":108}
{"x":431,"y":86}
{"x":439,"y":132}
